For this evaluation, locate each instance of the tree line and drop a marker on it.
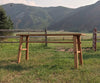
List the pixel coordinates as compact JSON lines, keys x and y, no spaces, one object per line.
{"x":5,"y":21}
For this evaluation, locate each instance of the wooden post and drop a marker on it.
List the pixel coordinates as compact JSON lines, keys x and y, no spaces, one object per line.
{"x":94,"y":38}
{"x":75,"y":52}
{"x":46,"y":37}
{"x":27,"y":47}
{"x":20,"y":48}
{"x":80,"y":50}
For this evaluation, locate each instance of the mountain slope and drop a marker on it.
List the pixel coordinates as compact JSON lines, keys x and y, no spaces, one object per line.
{"x":35,"y":17}
{"x":58,"y":13}
{"x":83,"y":19}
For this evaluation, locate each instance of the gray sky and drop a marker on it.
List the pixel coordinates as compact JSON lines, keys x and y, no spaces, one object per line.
{"x":47,"y":3}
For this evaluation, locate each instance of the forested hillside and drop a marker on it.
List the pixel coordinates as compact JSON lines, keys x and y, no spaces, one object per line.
{"x":84,"y":19}
{"x":35,"y":17}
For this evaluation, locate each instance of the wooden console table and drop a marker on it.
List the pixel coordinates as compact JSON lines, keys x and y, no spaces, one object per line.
{"x":76,"y":42}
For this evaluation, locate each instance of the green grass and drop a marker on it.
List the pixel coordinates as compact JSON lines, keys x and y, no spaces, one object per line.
{"x":48,"y":65}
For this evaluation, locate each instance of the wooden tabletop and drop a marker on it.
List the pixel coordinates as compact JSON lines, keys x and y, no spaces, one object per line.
{"x":69,"y":34}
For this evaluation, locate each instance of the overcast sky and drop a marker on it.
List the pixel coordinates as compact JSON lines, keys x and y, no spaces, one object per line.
{"x":47,"y":3}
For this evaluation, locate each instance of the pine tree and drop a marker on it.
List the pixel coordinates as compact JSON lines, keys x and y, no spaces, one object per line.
{"x":5,"y":21}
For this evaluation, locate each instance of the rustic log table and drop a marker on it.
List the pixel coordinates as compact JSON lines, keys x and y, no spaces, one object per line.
{"x":76,"y":42}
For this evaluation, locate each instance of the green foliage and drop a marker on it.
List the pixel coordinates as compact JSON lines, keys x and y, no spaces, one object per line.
{"x":5,"y":22}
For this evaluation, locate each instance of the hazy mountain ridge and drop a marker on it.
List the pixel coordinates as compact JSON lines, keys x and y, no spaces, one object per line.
{"x":35,"y":17}
{"x":84,"y":19}
{"x":55,"y":18}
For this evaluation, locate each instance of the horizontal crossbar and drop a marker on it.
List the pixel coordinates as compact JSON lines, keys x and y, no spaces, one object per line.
{"x":24,"y":49}
{"x":47,"y":42}
{"x":78,"y":52}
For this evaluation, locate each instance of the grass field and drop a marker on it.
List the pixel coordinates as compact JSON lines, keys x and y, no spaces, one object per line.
{"x":52,"y":64}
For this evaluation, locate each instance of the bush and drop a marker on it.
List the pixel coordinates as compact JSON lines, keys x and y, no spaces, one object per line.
{"x":5,"y":22}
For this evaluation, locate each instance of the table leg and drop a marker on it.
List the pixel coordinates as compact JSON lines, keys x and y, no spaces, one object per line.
{"x":20,"y":47}
{"x":27,"y":47}
{"x":75,"y":52}
{"x":80,"y":50}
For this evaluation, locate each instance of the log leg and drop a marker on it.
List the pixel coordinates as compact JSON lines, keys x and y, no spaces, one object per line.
{"x":27,"y":47}
{"x":20,"y":47}
{"x":80,"y":50}
{"x":75,"y":52}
